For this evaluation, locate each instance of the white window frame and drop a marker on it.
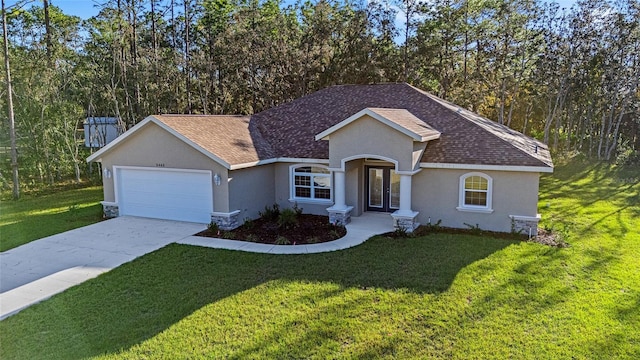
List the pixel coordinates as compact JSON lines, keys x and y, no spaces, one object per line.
{"x":309,"y":200}
{"x":488,"y":208}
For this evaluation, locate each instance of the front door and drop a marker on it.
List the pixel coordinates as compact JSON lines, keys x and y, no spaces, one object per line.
{"x":383,"y":189}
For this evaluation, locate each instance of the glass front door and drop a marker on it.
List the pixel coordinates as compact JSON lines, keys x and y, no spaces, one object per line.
{"x":383,"y":189}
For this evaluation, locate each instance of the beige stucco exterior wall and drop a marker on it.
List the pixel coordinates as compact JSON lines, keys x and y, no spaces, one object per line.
{"x":251,"y":189}
{"x":152,"y":146}
{"x":354,"y":172}
{"x":282,"y":193}
{"x":435,"y":194}
{"x":369,"y":136}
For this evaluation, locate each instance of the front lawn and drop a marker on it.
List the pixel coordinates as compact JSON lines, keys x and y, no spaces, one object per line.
{"x":39,"y":215}
{"x":436,"y":296}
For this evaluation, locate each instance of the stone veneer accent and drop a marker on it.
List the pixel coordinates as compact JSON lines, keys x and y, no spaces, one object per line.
{"x":405,"y":221}
{"x":340,"y":217}
{"x":522,"y":224}
{"x":110,"y":210}
{"x":226,"y":221}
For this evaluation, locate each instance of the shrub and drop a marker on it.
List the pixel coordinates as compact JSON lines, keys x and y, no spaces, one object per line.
{"x":248,"y":223}
{"x":400,"y":232}
{"x":213,"y":227}
{"x":252,"y":238}
{"x":287,"y":219}
{"x":270,"y":213}
{"x":281,"y":240}
{"x":230,"y":235}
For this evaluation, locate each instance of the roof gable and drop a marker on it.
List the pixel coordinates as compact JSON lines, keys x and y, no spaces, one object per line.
{"x":196,"y":134}
{"x":398,"y":119}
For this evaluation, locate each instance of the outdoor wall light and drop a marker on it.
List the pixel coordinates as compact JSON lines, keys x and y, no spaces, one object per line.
{"x":216,"y":179}
{"x":107,"y":173}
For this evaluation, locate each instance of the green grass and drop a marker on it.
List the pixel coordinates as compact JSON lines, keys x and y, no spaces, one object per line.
{"x":39,"y":215}
{"x":438,"y":296}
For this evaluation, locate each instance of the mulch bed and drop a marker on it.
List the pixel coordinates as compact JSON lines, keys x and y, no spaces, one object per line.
{"x":310,"y":229}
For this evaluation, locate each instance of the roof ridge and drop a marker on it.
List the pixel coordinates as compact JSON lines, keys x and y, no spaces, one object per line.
{"x":474,"y":119}
{"x":204,"y":115}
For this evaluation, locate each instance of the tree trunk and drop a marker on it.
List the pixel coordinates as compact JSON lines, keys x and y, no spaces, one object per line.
{"x":12,"y":123}
{"x":187,"y":70}
{"x":47,"y":27}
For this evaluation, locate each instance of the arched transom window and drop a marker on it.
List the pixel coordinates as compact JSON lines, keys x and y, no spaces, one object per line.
{"x":310,"y":182}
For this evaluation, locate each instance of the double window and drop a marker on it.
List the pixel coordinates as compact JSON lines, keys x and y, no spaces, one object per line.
{"x":310,"y":183}
{"x":475,"y":192}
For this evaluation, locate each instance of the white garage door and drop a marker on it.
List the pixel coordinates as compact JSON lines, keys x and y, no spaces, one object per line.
{"x":174,"y":194}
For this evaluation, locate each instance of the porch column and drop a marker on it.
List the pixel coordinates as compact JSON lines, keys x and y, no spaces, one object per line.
{"x":339,"y":213}
{"x":404,"y":217}
{"x":339,"y":188}
{"x":405,"y":195}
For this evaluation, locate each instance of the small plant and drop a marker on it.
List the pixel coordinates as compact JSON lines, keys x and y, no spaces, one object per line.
{"x":248,"y":223}
{"x":435,"y":226}
{"x":297,"y":209}
{"x":229,"y":235}
{"x":287,"y":219}
{"x":270,"y":213}
{"x":281,"y":240}
{"x":252,"y":238}
{"x":213,"y":227}
{"x":475,"y":229}
{"x":313,"y":240}
{"x":401,"y":232}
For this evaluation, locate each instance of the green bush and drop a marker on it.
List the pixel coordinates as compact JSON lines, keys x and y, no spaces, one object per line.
{"x":270,"y":213}
{"x":213,"y":227}
{"x":287,"y":219}
{"x":248,"y":223}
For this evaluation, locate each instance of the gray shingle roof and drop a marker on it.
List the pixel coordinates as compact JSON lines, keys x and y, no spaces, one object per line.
{"x":465,"y":138}
{"x":407,"y":120}
{"x":289,"y":130}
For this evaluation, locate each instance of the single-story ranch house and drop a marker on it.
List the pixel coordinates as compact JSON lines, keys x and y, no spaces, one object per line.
{"x":341,"y":151}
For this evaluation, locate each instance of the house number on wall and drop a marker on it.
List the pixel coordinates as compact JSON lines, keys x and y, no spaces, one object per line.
{"x":159,"y":165}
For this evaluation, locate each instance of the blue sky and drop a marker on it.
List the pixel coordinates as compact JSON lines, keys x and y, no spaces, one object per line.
{"x":87,"y":8}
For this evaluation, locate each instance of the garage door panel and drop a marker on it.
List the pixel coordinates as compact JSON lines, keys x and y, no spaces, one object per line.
{"x":174,"y":194}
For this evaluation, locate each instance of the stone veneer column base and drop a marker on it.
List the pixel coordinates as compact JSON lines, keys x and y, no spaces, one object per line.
{"x":405,"y":220}
{"x":527,"y":225}
{"x":340,"y":216}
{"x":226,"y":221}
{"x":110,"y":210}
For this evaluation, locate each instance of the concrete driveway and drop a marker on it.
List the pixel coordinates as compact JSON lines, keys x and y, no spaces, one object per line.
{"x":35,"y":271}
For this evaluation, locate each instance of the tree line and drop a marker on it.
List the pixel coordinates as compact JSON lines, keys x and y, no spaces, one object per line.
{"x":566,"y":76}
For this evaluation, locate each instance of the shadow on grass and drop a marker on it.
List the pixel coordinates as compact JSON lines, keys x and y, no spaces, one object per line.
{"x":140,"y":299}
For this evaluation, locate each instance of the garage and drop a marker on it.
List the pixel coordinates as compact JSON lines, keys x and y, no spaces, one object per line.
{"x":172,"y":194}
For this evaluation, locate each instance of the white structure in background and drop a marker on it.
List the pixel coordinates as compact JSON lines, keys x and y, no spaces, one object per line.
{"x":99,"y":131}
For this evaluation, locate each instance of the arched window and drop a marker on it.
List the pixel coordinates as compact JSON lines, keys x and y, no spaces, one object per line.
{"x":310,"y":183}
{"x":476,"y":191}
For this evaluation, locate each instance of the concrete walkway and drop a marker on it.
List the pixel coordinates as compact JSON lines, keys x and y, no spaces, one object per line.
{"x":40,"y":269}
{"x":359,"y":230}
